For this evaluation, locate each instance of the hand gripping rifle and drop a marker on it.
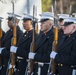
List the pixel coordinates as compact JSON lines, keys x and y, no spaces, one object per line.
{"x":55,"y":44}
{"x":0,"y":41}
{"x":32,"y":48}
{"x":52,"y":65}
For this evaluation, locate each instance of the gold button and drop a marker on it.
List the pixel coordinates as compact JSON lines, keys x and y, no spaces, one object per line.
{"x":61,"y":64}
{"x":58,"y":64}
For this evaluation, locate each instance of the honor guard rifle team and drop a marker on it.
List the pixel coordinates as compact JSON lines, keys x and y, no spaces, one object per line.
{"x":38,"y":51}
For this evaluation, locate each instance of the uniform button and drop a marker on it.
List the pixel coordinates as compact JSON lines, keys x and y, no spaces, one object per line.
{"x":3,"y":65}
{"x":61,"y":64}
{"x":25,"y":35}
{"x":19,"y":61}
{"x":18,"y":70}
{"x":58,"y":64}
{"x":29,"y":36}
{"x":47,"y":37}
{"x":73,"y":38}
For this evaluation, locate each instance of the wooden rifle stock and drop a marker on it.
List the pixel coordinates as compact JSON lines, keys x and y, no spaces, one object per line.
{"x":32,"y":49}
{"x":55,"y":45}
{"x":0,"y":46}
{"x":14,"y":41}
{"x":37,"y":29}
{"x":0,"y":43}
{"x":0,"y":36}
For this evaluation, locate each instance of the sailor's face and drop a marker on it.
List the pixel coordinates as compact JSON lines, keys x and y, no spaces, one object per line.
{"x":45,"y":26}
{"x":27,"y":25}
{"x":10,"y":23}
{"x":60,"y":24}
{"x":68,"y":29}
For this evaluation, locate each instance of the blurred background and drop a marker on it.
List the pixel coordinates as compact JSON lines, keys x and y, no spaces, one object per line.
{"x":63,"y":6}
{"x":20,"y":7}
{"x":26,"y":6}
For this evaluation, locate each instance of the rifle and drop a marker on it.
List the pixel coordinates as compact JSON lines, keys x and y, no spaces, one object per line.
{"x":12,"y":55}
{"x":0,"y":40}
{"x":37,"y":27}
{"x":55,"y":45}
{"x":70,"y":11}
{"x":32,"y":48}
{"x":52,"y":65}
{"x":55,"y":42}
{"x":14,"y":41}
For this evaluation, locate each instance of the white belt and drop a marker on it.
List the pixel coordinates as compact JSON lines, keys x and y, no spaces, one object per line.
{"x":19,"y":57}
{"x":42,"y":63}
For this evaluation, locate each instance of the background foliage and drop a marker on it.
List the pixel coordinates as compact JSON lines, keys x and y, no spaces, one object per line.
{"x":63,"y":6}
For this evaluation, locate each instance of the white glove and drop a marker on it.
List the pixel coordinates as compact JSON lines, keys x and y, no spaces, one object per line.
{"x":31,"y":55}
{"x":74,"y":72}
{"x":1,"y":50}
{"x":53,"y":54}
{"x":13,"y":49}
{"x":51,"y":73}
{"x":10,"y":66}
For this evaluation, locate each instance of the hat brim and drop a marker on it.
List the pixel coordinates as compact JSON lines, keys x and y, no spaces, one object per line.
{"x":60,"y":19}
{"x":67,"y":23}
{"x":11,"y":18}
{"x":26,"y":19}
{"x":43,"y":20}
